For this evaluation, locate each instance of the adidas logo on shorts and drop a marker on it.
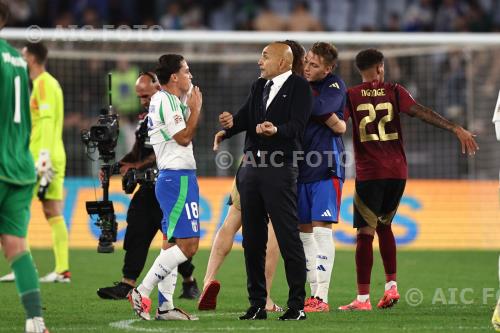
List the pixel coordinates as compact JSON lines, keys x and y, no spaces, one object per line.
{"x":326,"y":213}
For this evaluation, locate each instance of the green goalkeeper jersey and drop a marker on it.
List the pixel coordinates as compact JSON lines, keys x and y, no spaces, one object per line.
{"x":16,"y":163}
{"x":47,"y":116}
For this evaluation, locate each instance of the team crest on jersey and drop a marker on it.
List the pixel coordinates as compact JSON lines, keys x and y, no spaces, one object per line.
{"x":178,"y":119}
{"x":194,"y":225}
{"x":152,"y":109}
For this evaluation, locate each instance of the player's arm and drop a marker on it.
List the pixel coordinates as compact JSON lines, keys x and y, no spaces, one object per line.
{"x":429,"y":116}
{"x":145,"y":163}
{"x":185,"y":136}
{"x":332,"y":120}
{"x":328,"y":109}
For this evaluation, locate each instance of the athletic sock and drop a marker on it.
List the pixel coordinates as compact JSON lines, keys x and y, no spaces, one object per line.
{"x":165,"y":263}
{"x":27,"y":284}
{"x":324,"y":260}
{"x":310,"y":251}
{"x":387,"y":245}
{"x":390,"y":284}
{"x":166,"y":289}
{"x":364,"y":262}
{"x":60,"y":243}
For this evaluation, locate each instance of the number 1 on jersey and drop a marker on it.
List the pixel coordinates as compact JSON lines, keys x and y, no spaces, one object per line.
{"x":17,"y":96}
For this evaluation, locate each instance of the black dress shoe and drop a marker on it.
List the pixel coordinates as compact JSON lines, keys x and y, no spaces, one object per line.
{"x":254,"y":313}
{"x":190,"y":290}
{"x":293,"y":314}
{"x":119,"y":291}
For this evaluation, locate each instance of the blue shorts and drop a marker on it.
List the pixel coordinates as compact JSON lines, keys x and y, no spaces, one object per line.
{"x":178,"y":195}
{"x":320,"y":201}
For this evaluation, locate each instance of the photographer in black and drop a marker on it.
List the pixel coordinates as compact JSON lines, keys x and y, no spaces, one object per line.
{"x":144,"y":214}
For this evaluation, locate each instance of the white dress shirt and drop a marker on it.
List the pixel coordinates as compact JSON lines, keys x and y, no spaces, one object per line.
{"x":278,"y":82}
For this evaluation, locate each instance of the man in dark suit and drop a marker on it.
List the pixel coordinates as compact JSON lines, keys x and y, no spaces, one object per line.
{"x":274,"y":117}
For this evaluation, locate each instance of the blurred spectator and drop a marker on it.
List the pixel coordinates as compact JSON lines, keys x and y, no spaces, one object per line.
{"x":193,"y":16}
{"x":393,"y":23}
{"x":64,"y":20}
{"x":365,"y":15}
{"x":172,"y":19}
{"x":477,"y":19}
{"x":337,"y":14}
{"x":454,"y":86}
{"x":392,"y":11}
{"x":268,"y":20}
{"x":301,"y":19}
{"x":125,"y":100}
{"x":90,"y":12}
{"x":123,"y":89}
{"x":221,"y":15}
{"x":266,"y":15}
{"x":449,"y":12}
{"x":90,"y":17}
{"x":419,"y":16}
{"x":20,"y":12}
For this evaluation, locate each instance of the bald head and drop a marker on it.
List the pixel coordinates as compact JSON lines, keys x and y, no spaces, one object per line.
{"x":145,"y":87}
{"x":276,"y":59}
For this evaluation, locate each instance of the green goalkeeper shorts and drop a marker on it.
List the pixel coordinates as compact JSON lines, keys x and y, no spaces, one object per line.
{"x":15,"y":204}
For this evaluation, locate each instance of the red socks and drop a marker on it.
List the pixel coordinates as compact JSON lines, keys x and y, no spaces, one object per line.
{"x":387,"y":244}
{"x":364,"y":262}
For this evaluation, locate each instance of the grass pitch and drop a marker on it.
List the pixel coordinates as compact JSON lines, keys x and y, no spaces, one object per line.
{"x":441,"y":292}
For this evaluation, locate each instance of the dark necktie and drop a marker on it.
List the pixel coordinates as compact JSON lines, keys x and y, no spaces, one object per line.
{"x":265,"y":94}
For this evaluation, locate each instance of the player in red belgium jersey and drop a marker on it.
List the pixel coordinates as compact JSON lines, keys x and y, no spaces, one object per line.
{"x":381,"y":169}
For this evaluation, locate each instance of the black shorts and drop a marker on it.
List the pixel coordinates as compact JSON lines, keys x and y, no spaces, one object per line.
{"x":376,"y":201}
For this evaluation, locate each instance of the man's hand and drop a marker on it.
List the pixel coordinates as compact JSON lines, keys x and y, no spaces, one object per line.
{"x":44,"y":165}
{"x":467,"y":140}
{"x":218,"y":139}
{"x":195,"y":100}
{"x":226,"y":120}
{"x":124,"y":167}
{"x":266,"y":129}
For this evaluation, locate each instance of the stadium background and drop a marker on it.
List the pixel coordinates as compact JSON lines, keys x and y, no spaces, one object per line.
{"x":451,"y":201}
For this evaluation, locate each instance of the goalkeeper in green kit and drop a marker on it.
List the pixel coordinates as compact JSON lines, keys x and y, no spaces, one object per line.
{"x":17,"y":178}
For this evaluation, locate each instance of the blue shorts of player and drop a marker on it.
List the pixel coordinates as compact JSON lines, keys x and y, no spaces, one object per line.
{"x":178,"y":195}
{"x":320,"y":201}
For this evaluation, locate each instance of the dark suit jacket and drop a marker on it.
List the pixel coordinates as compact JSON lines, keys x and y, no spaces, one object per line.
{"x":289,"y":111}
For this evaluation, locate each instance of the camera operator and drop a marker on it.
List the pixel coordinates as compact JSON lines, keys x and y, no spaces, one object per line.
{"x":144,"y":214}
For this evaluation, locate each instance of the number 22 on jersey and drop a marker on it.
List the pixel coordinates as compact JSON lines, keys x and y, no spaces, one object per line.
{"x":382,"y":135}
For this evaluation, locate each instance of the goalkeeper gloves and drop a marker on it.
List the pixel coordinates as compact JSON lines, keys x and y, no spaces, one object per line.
{"x":44,"y":166}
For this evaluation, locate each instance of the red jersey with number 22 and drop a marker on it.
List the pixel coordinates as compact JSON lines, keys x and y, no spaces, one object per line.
{"x":377,"y":137}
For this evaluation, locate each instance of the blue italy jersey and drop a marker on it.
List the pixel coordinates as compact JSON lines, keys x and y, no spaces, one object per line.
{"x":323,"y":149}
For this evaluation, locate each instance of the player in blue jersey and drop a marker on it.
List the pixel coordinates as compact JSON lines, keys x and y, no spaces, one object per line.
{"x":321,"y":172}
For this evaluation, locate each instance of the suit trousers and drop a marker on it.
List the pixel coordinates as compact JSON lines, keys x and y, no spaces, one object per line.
{"x":271,"y":191}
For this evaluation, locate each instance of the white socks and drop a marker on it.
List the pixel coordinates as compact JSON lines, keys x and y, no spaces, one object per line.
{"x":166,"y":288}
{"x":363,"y":298}
{"x":164,"y":265}
{"x":310,"y":251}
{"x":389,"y":285}
{"x":324,"y":260}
